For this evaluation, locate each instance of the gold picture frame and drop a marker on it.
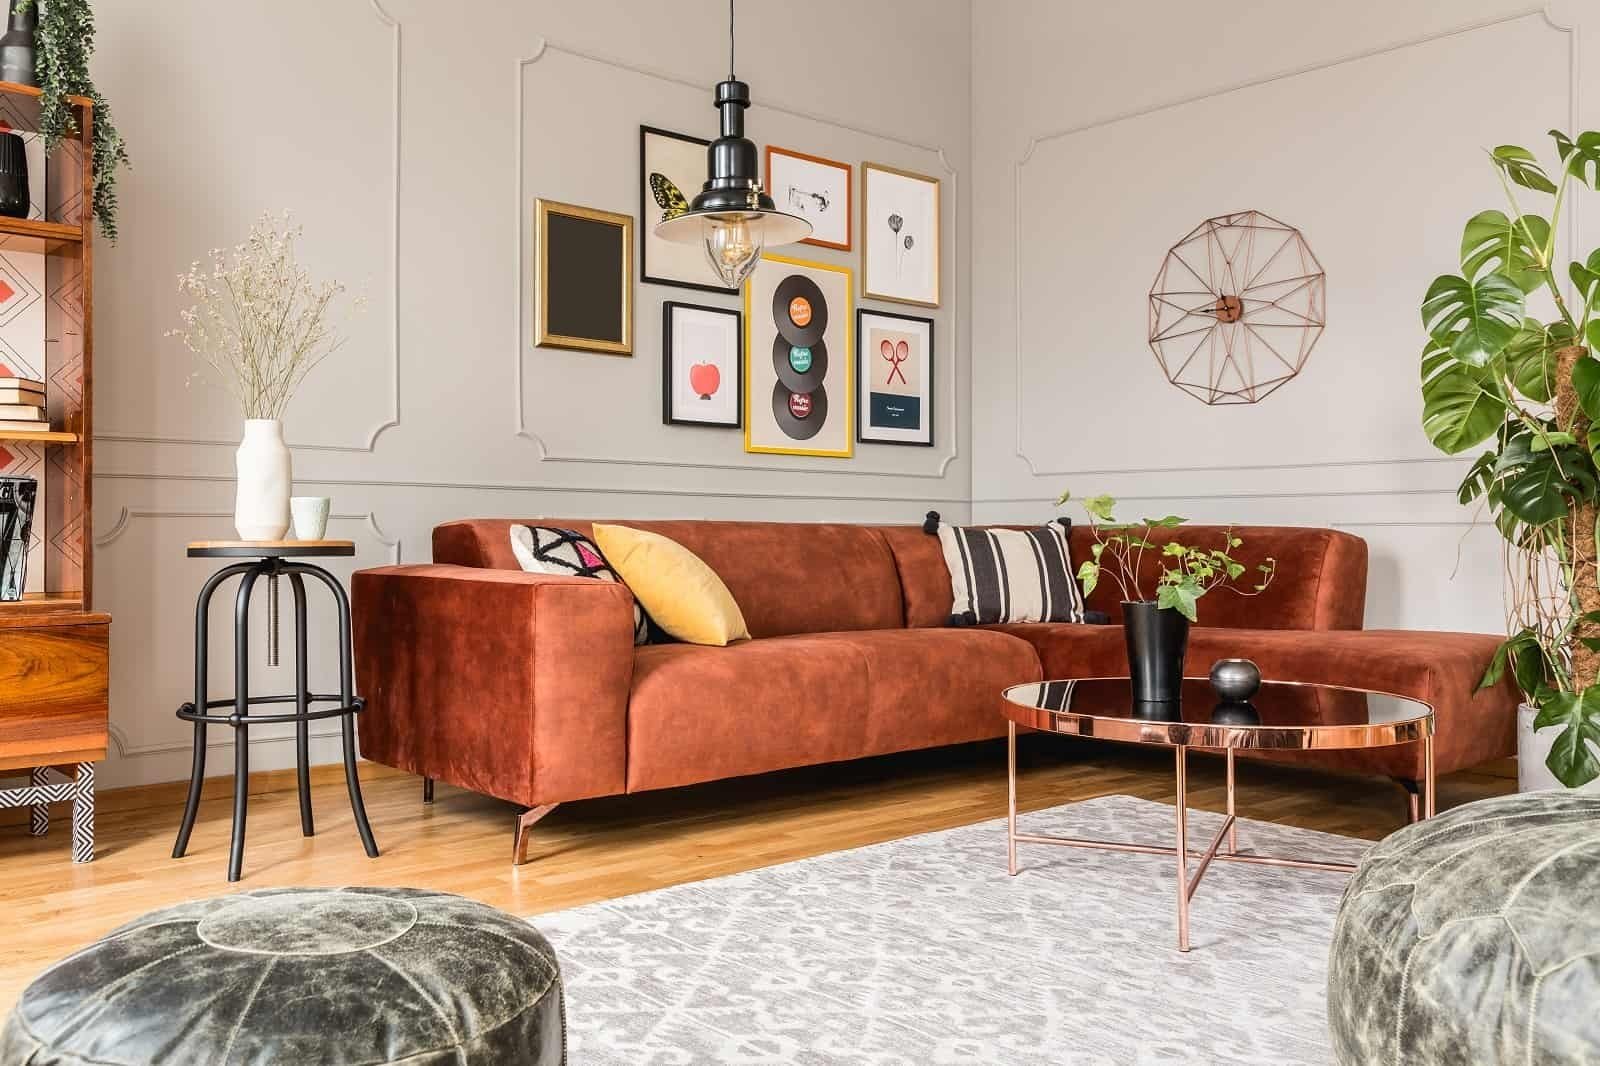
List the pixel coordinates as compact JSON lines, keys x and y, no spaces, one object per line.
{"x":574,"y":309}
{"x":762,"y":434}
{"x":872,"y":232}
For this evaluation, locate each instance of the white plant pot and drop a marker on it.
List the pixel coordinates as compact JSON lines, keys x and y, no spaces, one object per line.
{"x":1532,"y":750}
{"x":265,"y":472}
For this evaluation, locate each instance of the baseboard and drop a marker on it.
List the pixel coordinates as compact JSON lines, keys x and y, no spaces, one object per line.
{"x":169,"y":795}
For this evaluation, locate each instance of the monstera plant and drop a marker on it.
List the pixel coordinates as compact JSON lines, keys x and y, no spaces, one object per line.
{"x":1510,"y":364}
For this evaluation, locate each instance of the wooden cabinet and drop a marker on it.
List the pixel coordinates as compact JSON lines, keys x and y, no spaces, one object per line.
{"x":55,"y":669}
{"x":54,"y":647}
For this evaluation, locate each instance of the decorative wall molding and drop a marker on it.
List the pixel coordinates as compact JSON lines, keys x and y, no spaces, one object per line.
{"x":121,"y":744}
{"x":546,"y":454}
{"x":1551,"y":14}
{"x":546,"y":487}
{"x":126,"y":515}
{"x":393,"y":418}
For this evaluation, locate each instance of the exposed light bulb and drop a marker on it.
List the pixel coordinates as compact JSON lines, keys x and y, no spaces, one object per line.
{"x":733,"y":245}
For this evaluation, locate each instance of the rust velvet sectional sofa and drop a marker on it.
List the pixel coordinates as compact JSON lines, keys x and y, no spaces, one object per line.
{"x":528,"y":687}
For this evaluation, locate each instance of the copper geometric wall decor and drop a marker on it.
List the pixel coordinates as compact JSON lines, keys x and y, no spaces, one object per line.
{"x":1236,"y":308}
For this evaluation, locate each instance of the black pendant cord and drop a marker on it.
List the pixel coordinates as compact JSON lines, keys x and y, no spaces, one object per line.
{"x":730,"y":40}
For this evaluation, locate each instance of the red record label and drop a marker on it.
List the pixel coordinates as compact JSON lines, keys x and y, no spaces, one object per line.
{"x":800,"y":404}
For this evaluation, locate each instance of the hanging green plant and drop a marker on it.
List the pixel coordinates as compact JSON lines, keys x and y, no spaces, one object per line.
{"x":65,"y":41}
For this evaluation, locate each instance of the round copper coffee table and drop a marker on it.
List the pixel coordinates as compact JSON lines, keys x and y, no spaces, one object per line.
{"x":1102,"y":708}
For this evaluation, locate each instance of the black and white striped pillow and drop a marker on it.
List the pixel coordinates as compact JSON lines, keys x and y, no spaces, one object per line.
{"x":1010,"y":575}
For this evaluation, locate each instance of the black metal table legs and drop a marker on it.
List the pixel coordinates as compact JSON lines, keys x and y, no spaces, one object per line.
{"x":346,"y":704}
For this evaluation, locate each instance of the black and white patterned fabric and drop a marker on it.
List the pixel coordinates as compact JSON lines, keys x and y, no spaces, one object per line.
{"x":41,"y":791}
{"x":1010,"y":575}
{"x":547,"y":550}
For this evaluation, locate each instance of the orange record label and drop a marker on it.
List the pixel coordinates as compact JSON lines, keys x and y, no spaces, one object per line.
{"x":800,"y":311}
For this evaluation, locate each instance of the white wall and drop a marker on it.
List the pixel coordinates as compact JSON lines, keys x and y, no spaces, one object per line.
{"x":410,"y":138}
{"x":1103,"y":133}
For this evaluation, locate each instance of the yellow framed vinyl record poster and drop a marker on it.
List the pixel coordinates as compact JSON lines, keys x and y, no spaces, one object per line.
{"x":799,"y":365}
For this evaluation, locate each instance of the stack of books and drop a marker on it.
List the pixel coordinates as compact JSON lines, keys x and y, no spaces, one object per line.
{"x":22,"y":406}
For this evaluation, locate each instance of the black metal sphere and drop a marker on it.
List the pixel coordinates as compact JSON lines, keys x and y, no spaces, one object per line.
{"x":1235,"y":680}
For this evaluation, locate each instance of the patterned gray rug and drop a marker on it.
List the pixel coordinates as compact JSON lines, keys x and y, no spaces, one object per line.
{"x":923,"y":951}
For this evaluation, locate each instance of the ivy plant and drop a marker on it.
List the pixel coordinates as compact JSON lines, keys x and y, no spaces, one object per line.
{"x":1183,"y":573}
{"x":64,"y":42}
{"x":1508,"y":364}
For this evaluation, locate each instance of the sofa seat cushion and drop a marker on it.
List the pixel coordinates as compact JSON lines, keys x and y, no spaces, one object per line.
{"x":704,"y":713}
{"x":929,"y":687}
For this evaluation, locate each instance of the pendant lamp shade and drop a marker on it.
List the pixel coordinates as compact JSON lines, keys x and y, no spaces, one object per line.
{"x":732,"y":217}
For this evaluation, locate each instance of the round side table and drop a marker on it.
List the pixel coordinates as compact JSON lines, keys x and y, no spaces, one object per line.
{"x":268,"y":560}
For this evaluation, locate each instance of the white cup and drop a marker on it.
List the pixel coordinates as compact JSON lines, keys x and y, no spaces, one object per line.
{"x":310,"y":514}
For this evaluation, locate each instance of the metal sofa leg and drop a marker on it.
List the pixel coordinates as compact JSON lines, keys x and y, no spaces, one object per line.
{"x":1414,"y":794}
{"x":525,"y":822}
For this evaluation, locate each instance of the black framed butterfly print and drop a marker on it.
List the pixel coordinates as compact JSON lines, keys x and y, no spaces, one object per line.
{"x":672,"y":168}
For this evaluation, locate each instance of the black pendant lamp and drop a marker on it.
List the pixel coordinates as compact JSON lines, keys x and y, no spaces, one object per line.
{"x":733,"y":217}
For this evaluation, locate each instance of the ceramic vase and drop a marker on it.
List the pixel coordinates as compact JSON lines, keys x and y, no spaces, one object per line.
{"x":265,"y":472}
{"x":1533,"y":748}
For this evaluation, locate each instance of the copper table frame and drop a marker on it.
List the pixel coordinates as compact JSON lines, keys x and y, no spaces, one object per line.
{"x":1181,"y":736}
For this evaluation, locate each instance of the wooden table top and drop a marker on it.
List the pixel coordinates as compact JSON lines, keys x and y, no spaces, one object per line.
{"x":268,"y":549}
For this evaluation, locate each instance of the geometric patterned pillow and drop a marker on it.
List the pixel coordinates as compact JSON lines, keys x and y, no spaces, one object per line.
{"x":546,"y":550}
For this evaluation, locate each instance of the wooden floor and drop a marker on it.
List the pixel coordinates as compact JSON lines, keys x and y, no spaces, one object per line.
{"x":606,"y":848}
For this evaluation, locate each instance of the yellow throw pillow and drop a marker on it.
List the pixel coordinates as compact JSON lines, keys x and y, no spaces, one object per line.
{"x":684,"y":595}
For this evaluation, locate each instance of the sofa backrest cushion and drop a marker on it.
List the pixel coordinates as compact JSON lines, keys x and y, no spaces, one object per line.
{"x":787,"y":577}
{"x":1321,"y":581}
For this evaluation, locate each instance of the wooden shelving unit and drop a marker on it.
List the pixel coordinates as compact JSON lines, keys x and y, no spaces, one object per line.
{"x":54,"y":647}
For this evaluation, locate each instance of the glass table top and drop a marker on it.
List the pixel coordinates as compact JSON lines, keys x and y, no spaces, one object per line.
{"x":1282,"y":715}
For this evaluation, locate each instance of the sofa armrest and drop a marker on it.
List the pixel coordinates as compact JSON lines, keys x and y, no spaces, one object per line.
{"x":506,"y":683}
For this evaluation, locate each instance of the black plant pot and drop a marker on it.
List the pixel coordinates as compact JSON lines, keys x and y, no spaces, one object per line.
{"x":1157,"y":640}
{"x":13,"y":176}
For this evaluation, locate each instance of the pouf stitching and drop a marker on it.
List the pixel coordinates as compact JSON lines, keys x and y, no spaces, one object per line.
{"x":102,"y":942}
{"x":498,"y":935}
{"x":1542,"y":863}
{"x":1405,"y":971}
{"x":1418,"y":877}
{"x":1424,"y":837}
{"x":449,"y":1024}
{"x":250,"y":1001}
{"x":199,"y":921}
{"x":519,"y":1013}
{"x":104,"y":997}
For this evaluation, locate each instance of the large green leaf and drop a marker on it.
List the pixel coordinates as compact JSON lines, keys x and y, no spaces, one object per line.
{"x":1580,"y":157}
{"x":1522,"y":167}
{"x":1586,"y":276}
{"x":1572,"y":756}
{"x":1586,"y":383}
{"x":1530,"y":361}
{"x":1461,"y":405}
{"x":1512,"y":247}
{"x":1475,"y":319}
{"x":1534,"y":491}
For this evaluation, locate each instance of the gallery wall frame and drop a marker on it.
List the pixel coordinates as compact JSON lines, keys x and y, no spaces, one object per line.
{"x":799,"y":362}
{"x":719,"y":346}
{"x":900,"y":235}
{"x":583,"y":264}
{"x":819,"y":189}
{"x":680,"y":160}
{"x":900,"y":408}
